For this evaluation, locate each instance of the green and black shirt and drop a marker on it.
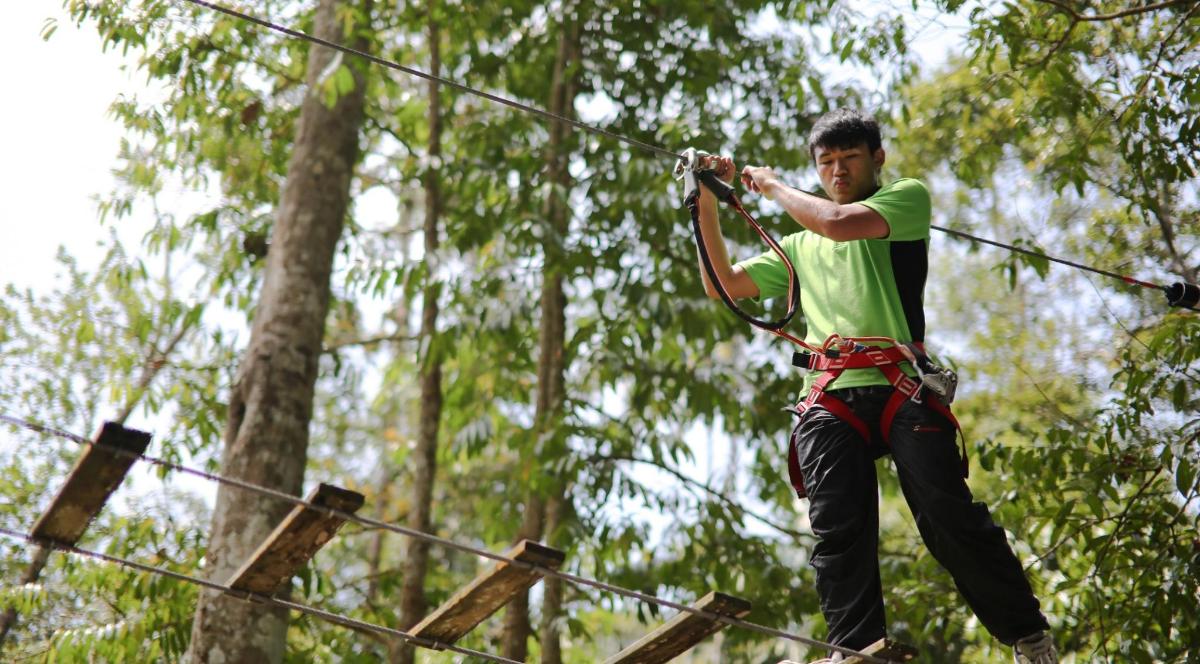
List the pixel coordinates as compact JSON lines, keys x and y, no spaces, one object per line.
{"x":861,"y":288}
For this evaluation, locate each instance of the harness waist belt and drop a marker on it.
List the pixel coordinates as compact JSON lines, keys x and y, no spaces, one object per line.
{"x":886,"y":360}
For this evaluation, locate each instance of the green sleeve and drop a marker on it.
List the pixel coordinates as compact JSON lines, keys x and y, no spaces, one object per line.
{"x":768,"y":272}
{"x":905,"y":206}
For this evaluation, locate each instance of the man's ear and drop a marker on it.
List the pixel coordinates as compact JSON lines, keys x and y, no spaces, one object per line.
{"x":879,"y":156}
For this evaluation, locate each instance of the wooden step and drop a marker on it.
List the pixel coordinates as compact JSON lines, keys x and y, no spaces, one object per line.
{"x":97,"y":473}
{"x":886,"y":649}
{"x":682,"y":632}
{"x":488,"y":593}
{"x":295,"y":541}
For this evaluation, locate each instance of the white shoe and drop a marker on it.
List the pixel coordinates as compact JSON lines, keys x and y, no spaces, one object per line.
{"x":1035,"y":649}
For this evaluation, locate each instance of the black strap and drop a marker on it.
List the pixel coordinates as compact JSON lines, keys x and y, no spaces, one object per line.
{"x":725,"y":193}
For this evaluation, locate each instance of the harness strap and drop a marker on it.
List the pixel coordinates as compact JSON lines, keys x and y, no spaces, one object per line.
{"x":905,"y":389}
{"x":865,"y":358}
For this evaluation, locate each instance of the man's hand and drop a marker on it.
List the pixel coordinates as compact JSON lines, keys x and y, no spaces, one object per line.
{"x":760,"y":179}
{"x":724,"y":168}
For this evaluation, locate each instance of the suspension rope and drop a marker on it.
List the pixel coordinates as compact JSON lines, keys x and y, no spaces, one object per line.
{"x":1180,"y":294}
{"x":270,"y":600}
{"x":1061,"y":261}
{"x":440,"y":541}
{"x":390,"y":64}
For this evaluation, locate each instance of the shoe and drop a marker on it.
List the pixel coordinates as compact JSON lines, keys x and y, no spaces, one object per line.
{"x":1035,"y":649}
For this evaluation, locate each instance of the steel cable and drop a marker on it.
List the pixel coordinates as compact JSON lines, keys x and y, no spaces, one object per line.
{"x":390,"y":64}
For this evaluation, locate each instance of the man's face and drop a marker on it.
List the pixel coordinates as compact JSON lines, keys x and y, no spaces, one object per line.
{"x":849,"y":174}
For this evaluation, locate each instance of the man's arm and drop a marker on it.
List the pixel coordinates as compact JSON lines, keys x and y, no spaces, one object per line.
{"x":841,"y":223}
{"x":735,"y":280}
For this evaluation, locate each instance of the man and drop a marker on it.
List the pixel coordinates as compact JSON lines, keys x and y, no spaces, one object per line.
{"x":861,"y":260}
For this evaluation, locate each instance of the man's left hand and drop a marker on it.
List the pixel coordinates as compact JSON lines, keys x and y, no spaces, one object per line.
{"x":759,"y":179}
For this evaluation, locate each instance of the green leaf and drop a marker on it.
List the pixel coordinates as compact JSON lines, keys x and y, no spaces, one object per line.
{"x":344,"y":80}
{"x":1185,"y":477}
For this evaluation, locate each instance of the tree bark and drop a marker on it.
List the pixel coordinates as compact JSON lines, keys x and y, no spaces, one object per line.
{"x":424,"y":458}
{"x":550,"y":632}
{"x":551,"y":343}
{"x":271,"y":403}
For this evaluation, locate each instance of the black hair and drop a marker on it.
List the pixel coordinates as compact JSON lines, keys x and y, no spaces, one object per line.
{"x":844,"y":128}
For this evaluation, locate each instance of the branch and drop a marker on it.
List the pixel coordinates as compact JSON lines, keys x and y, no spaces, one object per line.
{"x":1103,"y":552}
{"x":1068,"y":10}
{"x":154,"y":363}
{"x":1057,"y":45}
{"x":369,"y":341}
{"x":1046,"y":397}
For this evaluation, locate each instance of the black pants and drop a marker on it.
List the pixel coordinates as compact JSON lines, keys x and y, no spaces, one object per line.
{"x":839,"y":475}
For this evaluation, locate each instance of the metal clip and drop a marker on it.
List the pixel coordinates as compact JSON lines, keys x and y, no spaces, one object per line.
{"x":941,"y":381}
{"x":693,"y":160}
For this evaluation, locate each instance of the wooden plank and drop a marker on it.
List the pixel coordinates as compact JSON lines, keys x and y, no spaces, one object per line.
{"x":487,"y":593}
{"x":295,"y":541}
{"x":886,"y":649}
{"x":682,"y":632}
{"x":97,"y":473}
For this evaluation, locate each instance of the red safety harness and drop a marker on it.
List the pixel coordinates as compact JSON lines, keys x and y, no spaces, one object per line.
{"x":837,"y":353}
{"x":833,"y":361}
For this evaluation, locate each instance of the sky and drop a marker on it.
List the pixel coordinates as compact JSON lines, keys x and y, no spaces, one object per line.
{"x":59,"y":143}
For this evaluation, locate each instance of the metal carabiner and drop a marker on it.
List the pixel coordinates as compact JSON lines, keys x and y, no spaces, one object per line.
{"x":696,"y":166}
{"x":692,"y":160}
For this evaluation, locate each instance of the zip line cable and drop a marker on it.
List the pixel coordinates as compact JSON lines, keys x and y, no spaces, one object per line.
{"x":1179,"y":294}
{"x":1062,"y":261}
{"x":390,"y":64}
{"x":440,"y":541}
{"x":270,"y":600}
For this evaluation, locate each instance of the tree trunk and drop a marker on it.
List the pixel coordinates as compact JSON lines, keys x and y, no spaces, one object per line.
{"x":424,"y":469}
{"x":558,"y":506}
{"x":271,"y":404}
{"x":552,"y":598}
{"x":551,"y":342}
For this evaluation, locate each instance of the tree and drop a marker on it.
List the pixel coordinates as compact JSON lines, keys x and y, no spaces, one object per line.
{"x":424,"y":467}
{"x":266,"y":439}
{"x":576,"y":349}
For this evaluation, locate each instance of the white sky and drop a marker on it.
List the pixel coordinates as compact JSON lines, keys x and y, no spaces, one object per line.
{"x":58,"y":143}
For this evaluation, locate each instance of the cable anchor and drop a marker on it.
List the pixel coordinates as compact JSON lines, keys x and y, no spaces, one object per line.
{"x":1183,"y":294}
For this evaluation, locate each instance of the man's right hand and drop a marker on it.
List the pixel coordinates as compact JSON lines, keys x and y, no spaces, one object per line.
{"x":725,"y":172}
{"x":725,"y":169}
